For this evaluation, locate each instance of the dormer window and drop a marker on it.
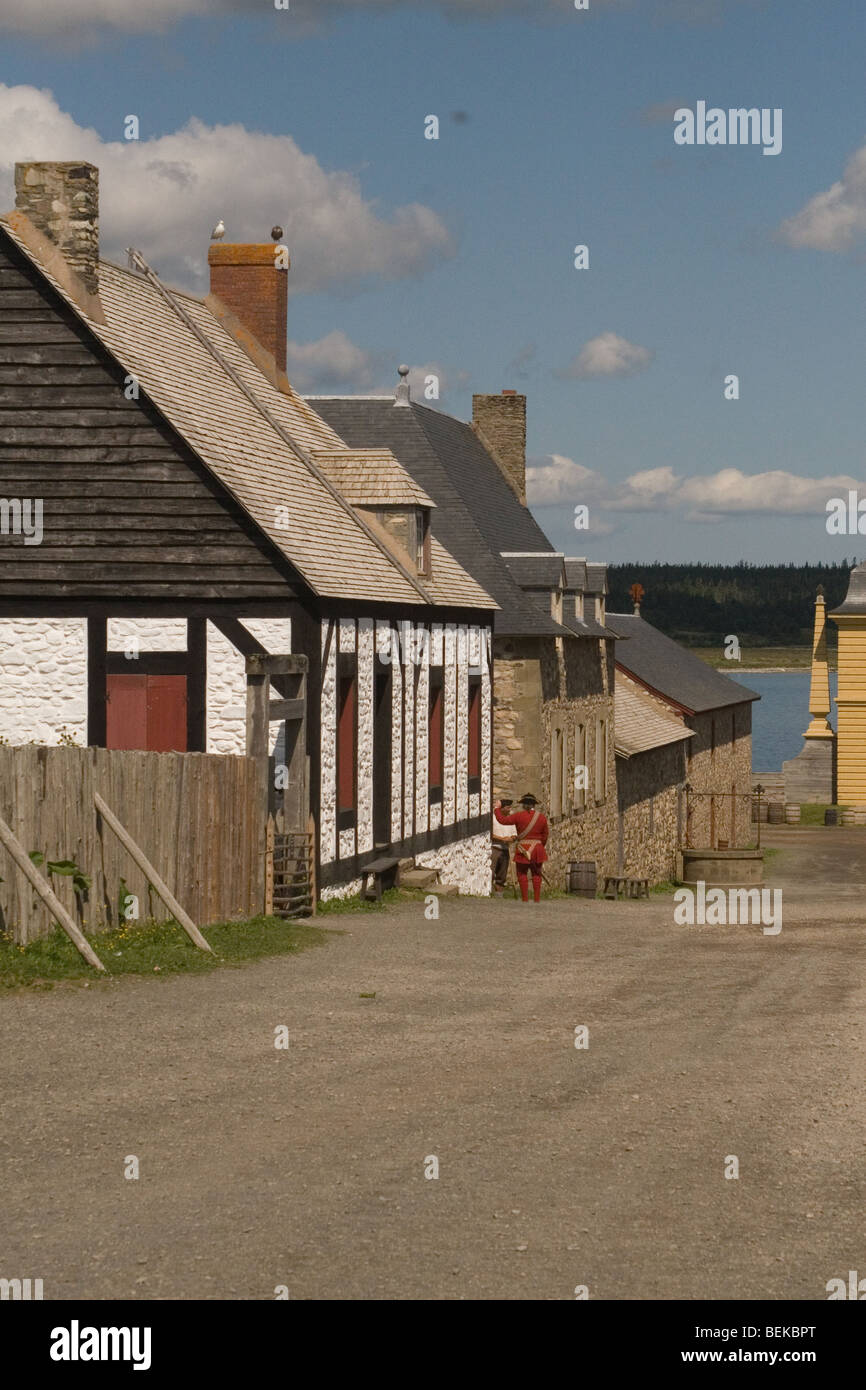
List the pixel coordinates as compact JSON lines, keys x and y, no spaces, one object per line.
{"x":578,"y":605}
{"x":556,"y":605}
{"x":422,"y":540}
{"x":409,"y":527}
{"x":599,"y":607}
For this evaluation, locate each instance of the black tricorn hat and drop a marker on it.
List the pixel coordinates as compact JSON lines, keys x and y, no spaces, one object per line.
{"x":529,"y":798}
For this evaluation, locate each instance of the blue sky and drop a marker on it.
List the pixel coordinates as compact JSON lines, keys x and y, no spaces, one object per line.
{"x":456,"y":255}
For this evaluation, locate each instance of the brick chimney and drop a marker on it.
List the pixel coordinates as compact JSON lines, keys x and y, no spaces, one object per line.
{"x":61,"y":200}
{"x":246,"y":281}
{"x":500,"y":423}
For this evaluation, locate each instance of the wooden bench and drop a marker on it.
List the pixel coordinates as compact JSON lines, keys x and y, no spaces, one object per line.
{"x":380,"y":870}
{"x":619,"y":885}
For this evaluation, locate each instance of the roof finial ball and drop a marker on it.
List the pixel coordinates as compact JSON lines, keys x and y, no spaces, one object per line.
{"x":276,"y":233}
{"x":402,"y":395}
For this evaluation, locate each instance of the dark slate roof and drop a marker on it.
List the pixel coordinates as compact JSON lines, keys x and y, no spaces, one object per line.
{"x":535,"y":571}
{"x":596,"y":579}
{"x":855,"y":599}
{"x":671,"y":670}
{"x":575,"y":574}
{"x":476,"y":515}
{"x":588,"y":627}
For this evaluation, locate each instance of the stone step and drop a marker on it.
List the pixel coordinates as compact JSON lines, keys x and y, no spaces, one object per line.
{"x":418,"y":878}
{"x":444,"y":890}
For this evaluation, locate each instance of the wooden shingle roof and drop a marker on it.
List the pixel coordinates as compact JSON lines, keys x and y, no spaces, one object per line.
{"x":371,"y":477}
{"x":239,"y":424}
{"x":639,"y":724}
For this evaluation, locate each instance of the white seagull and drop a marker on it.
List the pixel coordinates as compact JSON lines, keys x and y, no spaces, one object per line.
{"x":218,"y":231}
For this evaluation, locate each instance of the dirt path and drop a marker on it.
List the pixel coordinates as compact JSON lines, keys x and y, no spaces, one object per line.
{"x":557,"y":1166}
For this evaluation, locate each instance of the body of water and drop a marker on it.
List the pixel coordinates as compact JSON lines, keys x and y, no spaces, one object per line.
{"x":781,"y":716}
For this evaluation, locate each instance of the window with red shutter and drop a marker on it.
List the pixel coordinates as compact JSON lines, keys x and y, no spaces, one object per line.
{"x":346,"y":748}
{"x":435,"y":733}
{"x":474,"y":750}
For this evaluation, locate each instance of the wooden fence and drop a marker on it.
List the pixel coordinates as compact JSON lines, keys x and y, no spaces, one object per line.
{"x":200,"y":819}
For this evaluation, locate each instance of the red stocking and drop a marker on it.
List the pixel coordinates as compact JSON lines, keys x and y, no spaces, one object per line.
{"x":522,"y":872}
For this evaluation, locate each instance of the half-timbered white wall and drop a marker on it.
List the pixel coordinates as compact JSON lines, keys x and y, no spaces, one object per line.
{"x":43,"y":696}
{"x":43,"y":674}
{"x":410,"y":651}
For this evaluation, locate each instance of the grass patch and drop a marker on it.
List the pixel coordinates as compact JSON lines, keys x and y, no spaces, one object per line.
{"x":337,"y":906}
{"x":812,"y":813}
{"x":791,"y":658}
{"x":668,"y":885}
{"x":151,"y":948}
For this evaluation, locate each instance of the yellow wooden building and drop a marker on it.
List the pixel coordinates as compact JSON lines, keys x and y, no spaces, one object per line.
{"x":850,"y":618}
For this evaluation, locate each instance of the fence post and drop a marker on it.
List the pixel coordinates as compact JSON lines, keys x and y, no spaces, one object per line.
{"x":50,"y":899}
{"x":150,"y":873}
{"x":269,"y":867}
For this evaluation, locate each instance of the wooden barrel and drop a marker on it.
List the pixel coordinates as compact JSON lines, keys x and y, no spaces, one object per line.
{"x":848,"y":816}
{"x":860,"y":815}
{"x":831,"y":815}
{"x":583,"y":878}
{"x":792,"y":813}
{"x":759,"y":810}
{"x":775,"y":813}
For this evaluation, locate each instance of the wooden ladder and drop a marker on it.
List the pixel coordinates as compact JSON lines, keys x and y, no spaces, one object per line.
{"x":294,"y":873}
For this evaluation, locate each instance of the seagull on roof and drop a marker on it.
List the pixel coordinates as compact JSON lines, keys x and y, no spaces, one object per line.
{"x":218,"y":231}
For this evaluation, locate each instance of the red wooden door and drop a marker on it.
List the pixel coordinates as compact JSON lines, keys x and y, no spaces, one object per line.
{"x":146,"y":712}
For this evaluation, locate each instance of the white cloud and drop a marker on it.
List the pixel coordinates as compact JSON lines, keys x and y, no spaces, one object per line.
{"x":707,"y":497}
{"x":607,"y":355}
{"x":81,"y":20}
{"x":332,"y":361}
{"x":163,"y":195}
{"x":66,"y":17}
{"x":446,"y":378}
{"x":835,"y":219}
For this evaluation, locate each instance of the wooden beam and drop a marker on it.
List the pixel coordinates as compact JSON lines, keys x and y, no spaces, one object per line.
{"x":150,"y":873}
{"x":48,"y":896}
{"x":257,"y":716}
{"x":96,"y":685}
{"x":196,"y":686}
{"x":287,"y":709}
{"x":262,"y":664}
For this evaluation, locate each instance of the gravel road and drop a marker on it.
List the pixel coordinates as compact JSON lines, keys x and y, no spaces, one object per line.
{"x":601,"y":1166}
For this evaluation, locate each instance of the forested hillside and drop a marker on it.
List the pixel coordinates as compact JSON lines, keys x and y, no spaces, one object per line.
{"x":700,"y":605}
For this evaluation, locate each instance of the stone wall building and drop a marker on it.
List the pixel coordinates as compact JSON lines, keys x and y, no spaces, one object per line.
{"x":652,"y":746}
{"x":715,"y":780}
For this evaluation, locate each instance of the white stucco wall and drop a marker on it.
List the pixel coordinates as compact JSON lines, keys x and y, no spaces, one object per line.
{"x":466,"y":863}
{"x":227,"y":683}
{"x":43,"y":680}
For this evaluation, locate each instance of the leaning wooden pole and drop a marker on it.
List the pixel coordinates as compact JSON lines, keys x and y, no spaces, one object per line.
{"x":48,"y":896}
{"x":150,"y":873}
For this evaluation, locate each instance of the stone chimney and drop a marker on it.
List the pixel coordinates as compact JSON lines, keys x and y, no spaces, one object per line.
{"x":500,"y":423}
{"x":61,"y":200}
{"x":246,"y":281}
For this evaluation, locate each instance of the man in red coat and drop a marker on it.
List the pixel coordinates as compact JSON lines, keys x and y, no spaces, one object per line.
{"x":529,"y":851}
